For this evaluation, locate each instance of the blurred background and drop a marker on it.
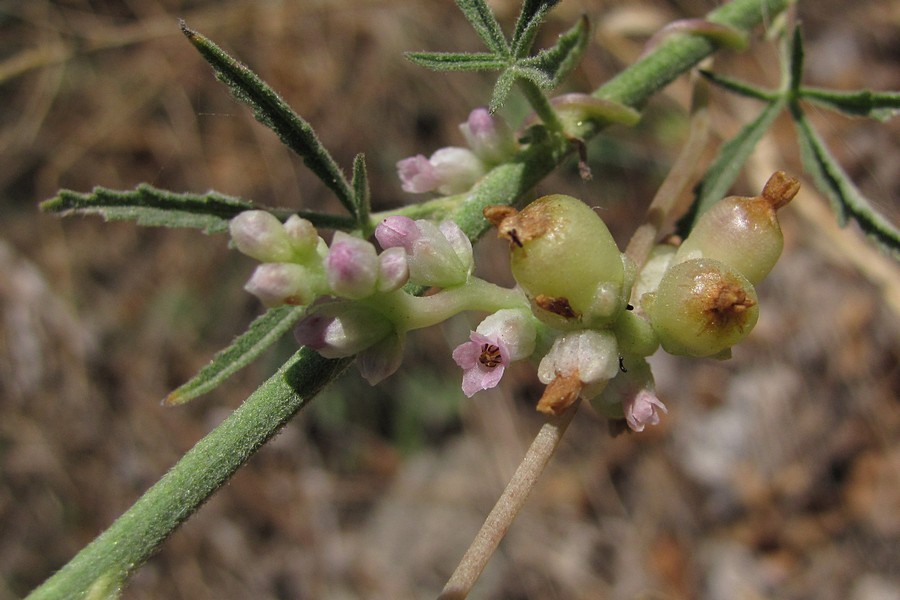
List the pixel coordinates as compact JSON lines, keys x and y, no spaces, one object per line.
{"x":774,"y":475}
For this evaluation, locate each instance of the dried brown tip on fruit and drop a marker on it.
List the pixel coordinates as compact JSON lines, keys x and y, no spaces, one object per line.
{"x":780,"y":189}
{"x":558,"y":306}
{"x":496,"y":213}
{"x":560,"y":394}
{"x":729,"y":305}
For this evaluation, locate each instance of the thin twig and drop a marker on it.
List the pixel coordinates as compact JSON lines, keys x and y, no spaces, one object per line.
{"x":663,"y":207}
{"x":507,"y":507}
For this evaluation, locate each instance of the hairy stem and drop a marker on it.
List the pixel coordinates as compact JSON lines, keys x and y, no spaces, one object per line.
{"x":541,"y":105}
{"x":102,"y":567}
{"x":508,"y":506}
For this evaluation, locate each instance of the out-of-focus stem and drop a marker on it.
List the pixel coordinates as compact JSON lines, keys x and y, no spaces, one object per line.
{"x":508,"y":506}
{"x":663,"y":206}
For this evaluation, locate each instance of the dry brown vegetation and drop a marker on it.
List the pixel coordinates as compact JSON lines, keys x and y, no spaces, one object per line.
{"x":775,"y":474}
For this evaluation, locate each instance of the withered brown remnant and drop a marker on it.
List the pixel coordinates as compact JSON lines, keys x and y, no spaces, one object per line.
{"x":780,"y":189}
{"x":560,"y":394}
{"x":728,"y":305}
{"x":558,"y":306}
{"x":519,"y":227}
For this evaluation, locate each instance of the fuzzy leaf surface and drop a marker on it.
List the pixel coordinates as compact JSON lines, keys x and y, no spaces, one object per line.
{"x":457,"y":61}
{"x":150,"y":206}
{"x":728,"y":163}
{"x":262,"y":333}
{"x":557,"y":62}
{"x":273,"y":112}
{"x":861,"y":103}
{"x":846,"y":200}
{"x":530,"y":18}
{"x":482,"y":19}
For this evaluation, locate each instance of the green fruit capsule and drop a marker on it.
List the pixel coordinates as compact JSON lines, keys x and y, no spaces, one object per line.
{"x":743,"y":232}
{"x":565,"y":259}
{"x":702,"y":307}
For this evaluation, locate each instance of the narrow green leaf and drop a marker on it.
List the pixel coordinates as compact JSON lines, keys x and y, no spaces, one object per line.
{"x":501,"y":89}
{"x":846,"y":200}
{"x":457,"y":61}
{"x":273,"y":112}
{"x":741,"y":88}
{"x":361,"y":193}
{"x":557,"y":62}
{"x":262,"y":333}
{"x":862,"y":103}
{"x":530,"y":18}
{"x":153,"y":207}
{"x":796,"y":65}
{"x":150,"y":206}
{"x":723,"y":171}
{"x":484,"y":22}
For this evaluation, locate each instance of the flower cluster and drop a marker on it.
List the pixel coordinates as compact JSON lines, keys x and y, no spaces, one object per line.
{"x":453,"y":170}
{"x":356,"y":304}
{"x":572,"y":305}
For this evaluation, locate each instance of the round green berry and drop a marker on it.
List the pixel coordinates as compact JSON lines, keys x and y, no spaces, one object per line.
{"x":701,"y":308}
{"x":565,"y":259}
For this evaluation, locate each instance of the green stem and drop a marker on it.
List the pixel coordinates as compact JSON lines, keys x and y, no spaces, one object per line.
{"x":410,"y":312}
{"x":105,"y":564}
{"x":541,"y":105}
{"x":101,"y":568}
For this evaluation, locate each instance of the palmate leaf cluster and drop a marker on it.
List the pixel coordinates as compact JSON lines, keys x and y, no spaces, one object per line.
{"x":546,"y":69}
{"x":846,"y":200}
{"x":512,"y":57}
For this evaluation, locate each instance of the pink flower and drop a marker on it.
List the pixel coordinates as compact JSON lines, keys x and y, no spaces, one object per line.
{"x":281,"y":283}
{"x":488,"y":136}
{"x":449,"y":170}
{"x":339,"y":328}
{"x":642,"y":409}
{"x":417,"y":175}
{"x":397,"y":231}
{"x":483,"y":360}
{"x":352,"y":266}
{"x":436,"y":255}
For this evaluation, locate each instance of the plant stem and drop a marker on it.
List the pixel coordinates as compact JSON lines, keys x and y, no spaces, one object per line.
{"x":541,"y":105}
{"x":102,"y":567}
{"x":508,"y":506}
{"x":663,"y":207}
{"x":410,"y":312}
{"x":134,"y":537}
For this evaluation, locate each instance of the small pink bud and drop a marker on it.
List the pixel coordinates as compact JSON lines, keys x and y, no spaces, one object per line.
{"x":488,"y":136}
{"x":261,"y":235}
{"x":434,"y":261}
{"x":397,"y":231}
{"x":352,"y":266}
{"x":303,"y":235}
{"x":281,"y":283}
{"x":436,"y":256}
{"x":393,"y":270}
{"x":643,"y":409}
{"x":631,"y":395}
{"x":417,"y":175}
{"x":457,"y":169}
{"x":341,"y":328}
{"x":381,"y":360}
{"x":458,"y":240}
